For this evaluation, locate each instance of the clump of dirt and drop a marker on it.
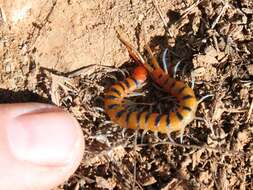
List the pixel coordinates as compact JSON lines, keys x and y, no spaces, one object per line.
{"x":67,"y":53}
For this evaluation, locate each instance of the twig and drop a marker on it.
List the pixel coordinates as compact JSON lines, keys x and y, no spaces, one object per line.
{"x":187,"y":10}
{"x":232,"y":110}
{"x":228,"y":152}
{"x":224,"y":8}
{"x":158,"y":9}
{"x":250,"y":111}
{"x":135,"y":144}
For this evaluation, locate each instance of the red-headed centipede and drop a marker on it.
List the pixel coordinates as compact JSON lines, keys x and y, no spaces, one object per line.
{"x":155,"y":122}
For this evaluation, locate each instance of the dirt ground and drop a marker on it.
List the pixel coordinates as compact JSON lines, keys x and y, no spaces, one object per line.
{"x":67,"y":53}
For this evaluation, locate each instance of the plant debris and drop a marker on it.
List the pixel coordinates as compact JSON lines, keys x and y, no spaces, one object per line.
{"x":71,"y":65}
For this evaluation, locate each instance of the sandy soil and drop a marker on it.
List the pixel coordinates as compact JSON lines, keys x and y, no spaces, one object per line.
{"x":67,"y":53}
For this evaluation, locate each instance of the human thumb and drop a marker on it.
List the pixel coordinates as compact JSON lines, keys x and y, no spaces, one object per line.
{"x":40,"y":146}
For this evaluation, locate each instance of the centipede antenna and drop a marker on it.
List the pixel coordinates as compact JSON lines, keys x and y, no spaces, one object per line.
{"x":207,"y":123}
{"x":165,"y":68}
{"x":153,"y":58}
{"x":147,"y":47}
{"x":205,"y":97}
{"x":133,"y":52}
{"x":175,"y":68}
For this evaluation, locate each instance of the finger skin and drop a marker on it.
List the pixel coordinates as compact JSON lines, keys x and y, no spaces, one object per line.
{"x":26,"y":174}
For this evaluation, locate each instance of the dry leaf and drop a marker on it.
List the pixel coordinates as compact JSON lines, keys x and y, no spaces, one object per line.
{"x":149,"y":181}
{"x":105,"y":183}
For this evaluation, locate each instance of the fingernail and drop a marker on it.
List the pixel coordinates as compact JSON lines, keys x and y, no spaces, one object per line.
{"x":44,"y":137}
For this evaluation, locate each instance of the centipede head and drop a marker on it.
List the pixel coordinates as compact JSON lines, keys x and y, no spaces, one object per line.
{"x":140,"y":73}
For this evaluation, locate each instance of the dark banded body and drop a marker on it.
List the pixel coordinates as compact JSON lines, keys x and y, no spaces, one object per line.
{"x":163,"y":123}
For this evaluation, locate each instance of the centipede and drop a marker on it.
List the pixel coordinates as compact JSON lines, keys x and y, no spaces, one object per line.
{"x":174,"y":121}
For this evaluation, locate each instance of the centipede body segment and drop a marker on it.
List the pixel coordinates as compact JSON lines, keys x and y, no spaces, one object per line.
{"x":164,"y":123}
